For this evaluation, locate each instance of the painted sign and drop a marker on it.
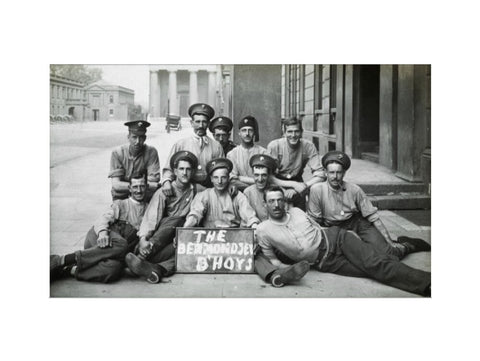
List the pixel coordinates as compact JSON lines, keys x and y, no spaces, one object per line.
{"x":214,"y":250}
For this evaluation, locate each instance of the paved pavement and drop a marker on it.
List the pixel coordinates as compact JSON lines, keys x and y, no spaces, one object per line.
{"x":80,"y":192}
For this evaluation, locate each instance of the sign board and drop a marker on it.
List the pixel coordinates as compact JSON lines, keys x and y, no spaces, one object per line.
{"x":214,"y":250}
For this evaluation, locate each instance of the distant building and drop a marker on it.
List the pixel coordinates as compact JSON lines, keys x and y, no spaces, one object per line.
{"x":67,"y":97}
{"x":110,"y":102}
{"x":173,"y":88}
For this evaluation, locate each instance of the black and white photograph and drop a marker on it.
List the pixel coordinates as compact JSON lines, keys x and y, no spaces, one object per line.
{"x":321,"y":170}
{"x":239,"y":180}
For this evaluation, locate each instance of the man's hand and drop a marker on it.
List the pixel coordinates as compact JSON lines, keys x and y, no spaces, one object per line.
{"x":167,"y":188}
{"x":299,"y":187}
{"x":144,"y":247}
{"x":103,"y":239}
{"x":232,"y":190}
{"x":289,"y":194}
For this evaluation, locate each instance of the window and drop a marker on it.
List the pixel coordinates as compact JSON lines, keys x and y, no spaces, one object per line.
{"x":301,"y":88}
{"x":111,"y":99}
{"x":318,"y":85}
{"x":110,"y":112}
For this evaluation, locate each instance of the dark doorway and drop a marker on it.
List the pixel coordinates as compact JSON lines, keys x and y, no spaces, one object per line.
{"x":71,"y":111}
{"x":368,"y":103}
{"x":95,"y":114}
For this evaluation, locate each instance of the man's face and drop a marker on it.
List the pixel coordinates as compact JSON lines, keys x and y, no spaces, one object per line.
{"x":275,"y":204}
{"x":199,"y":124}
{"x":246,"y":134}
{"x":335,"y":174}
{"x":293,"y":134}
{"x":183,"y":172}
{"x":221,"y":136}
{"x":138,"y":188}
{"x":136,"y":142}
{"x":260,"y":176}
{"x":220,"y":179}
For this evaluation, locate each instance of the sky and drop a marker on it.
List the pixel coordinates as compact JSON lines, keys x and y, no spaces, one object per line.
{"x":130,"y":76}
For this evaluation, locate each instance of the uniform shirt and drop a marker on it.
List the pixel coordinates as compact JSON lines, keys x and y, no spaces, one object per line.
{"x":209,"y":206}
{"x":256,"y":201}
{"x":123,"y":165}
{"x":204,"y":148}
{"x":240,"y":157}
{"x":298,"y":238}
{"x":331,"y":207}
{"x":161,"y":206}
{"x":126,"y":210}
{"x":292,"y":162}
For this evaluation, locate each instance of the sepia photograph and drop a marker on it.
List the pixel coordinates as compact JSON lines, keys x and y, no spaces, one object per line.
{"x":240,"y":181}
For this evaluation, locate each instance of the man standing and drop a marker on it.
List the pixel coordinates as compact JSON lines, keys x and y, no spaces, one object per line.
{"x":293,"y":236}
{"x":344,"y":204}
{"x":221,"y":128}
{"x":241,"y":174}
{"x":135,"y":157}
{"x":204,"y":148}
{"x":215,"y":207}
{"x":293,"y":154}
{"x":107,"y":241}
{"x":156,"y":255}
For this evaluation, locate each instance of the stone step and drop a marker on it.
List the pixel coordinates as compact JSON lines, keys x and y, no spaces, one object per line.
{"x":370,"y":156}
{"x":401,"y":201}
{"x":391,"y":188}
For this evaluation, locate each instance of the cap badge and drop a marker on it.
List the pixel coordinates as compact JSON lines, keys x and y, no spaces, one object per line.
{"x":203,"y":105}
{"x":139,"y":124}
{"x":262,"y":158}
{"x":220,"y":119}
{"x":245,"y":120}
{"x":186,"y":153}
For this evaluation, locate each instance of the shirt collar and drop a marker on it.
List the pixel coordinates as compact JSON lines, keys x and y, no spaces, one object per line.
{"x":203,"y":139}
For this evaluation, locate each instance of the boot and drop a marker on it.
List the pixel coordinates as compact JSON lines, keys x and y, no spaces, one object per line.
{"x":150,"y":272}
{"x":414,"y":244}
{"x":290,"y":274}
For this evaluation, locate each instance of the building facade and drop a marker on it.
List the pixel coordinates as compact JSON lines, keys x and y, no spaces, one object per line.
{"x":110,"y":102}
{"x":379,"y":113}
{"x":173,"y":88}
{"x":67,"y":98}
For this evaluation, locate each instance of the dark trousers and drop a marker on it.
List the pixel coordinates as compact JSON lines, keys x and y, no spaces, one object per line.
{"x":264,"y":268}
{"x":349,"y":255}
{"x":370,"y":234}
{"x":163,"y":252}
{"x":105,"y":264}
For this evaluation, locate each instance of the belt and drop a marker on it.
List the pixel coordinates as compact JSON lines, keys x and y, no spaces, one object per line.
{"x":322,"y":254}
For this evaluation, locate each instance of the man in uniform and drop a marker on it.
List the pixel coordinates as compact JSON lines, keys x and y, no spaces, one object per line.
{"x":293,"y":154}
{"x":221,"y":128}
{"x":293,"y":236}
{"x":215,"y":207}
{"x":135,"y":157}
{"x":155,"y":256}
{"x":107,"y":241}
{"x":344,"y":204}
{"x":241,"y":174}
{"x":204,"y":148}
{"x":263,"y":166}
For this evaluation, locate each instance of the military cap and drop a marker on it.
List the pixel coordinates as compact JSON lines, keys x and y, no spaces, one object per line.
{"x":184,"y":155}
{"x":137,"y":127}
{"x":201,"y":108}
{"x":250,"y":121}
{"x":263,"y":160}
{"x":221,"y":122}
{"x":338,"y":157}
{"x":219,"y":163}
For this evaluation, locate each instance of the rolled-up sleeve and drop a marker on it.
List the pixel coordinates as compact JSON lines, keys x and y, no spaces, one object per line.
{"x":117,"y":169}
{"x":107,"y":218}
{"x":153,"y":166}
{"x":153,"y":215}
{"x":199,"y":206}
{"x":314,"y":161}
{"x":365,"y":206}
{"x":314,"y":205}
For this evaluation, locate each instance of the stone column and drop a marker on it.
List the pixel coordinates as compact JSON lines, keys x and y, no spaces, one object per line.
{"x":172,"y":92}
{"x":193,"y":87}
{"x":154,"y":108}
{"x":211,"y":88}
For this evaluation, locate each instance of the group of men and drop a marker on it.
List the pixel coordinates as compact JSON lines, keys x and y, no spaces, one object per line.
{"x":324,"y":223}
